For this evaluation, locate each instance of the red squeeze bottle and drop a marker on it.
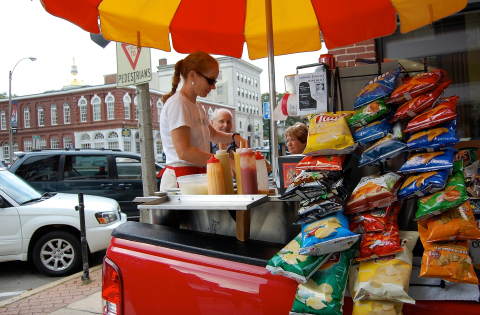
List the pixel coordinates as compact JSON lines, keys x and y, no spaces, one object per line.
{"x":248,"y":169}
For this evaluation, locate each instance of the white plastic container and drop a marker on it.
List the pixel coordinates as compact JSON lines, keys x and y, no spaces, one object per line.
{"x":262,"y":175}
{"x":193,"y":184}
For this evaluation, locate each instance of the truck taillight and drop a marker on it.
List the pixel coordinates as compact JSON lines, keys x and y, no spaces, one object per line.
{"x":111,"y":289}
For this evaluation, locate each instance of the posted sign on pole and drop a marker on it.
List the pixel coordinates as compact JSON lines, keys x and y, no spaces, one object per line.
{"x":266,"y":110}
{"x":134,"y":65}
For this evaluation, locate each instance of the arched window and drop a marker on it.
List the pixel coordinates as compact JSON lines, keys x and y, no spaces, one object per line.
{"x":53,"y":113}
{"x":27,"y":145}
{"x":67,"y":142}
{"x":126,"y":104}
{"x":98,"y":141}
{"x":43,"y":144}
{"x":82,"y":104}
{"x":4,"y":120}
{"x":159,"y":108}
{"x":26,"y":117}
{"x":54,"y":143}
{"x":97,"y":109}
{"x":112,"y":140}
{"x":41,"y":116}
{"x":85,"y":141}
{"x":6,"y":151}
{"x":136,"y":109}
{"x":110,"y":100}
{"x":15,"y":148}
{"x":66,"y":113}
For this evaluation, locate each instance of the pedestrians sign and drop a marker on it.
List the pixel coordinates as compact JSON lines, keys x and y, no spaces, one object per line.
{"x":134,"y":65}
{"x":266,"y":110}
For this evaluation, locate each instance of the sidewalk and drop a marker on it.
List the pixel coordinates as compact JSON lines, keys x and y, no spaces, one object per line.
{"x":66,"y":296}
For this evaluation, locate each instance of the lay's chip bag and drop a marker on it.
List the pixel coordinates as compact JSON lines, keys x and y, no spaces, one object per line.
{"x":329,"y":134}
{"x":377,"y":308}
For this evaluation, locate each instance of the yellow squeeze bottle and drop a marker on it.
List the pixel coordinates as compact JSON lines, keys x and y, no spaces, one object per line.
{"x":238,"y":173}
{"x":224,"y":158}
{"x":215,"y":183}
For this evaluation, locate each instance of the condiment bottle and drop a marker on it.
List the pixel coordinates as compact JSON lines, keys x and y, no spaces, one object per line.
{"x":262,"y":175}
{"x":215,"y":183}
{"x":224,"y":158}
{"x":248,"y":169}
{"x":238,"y":173}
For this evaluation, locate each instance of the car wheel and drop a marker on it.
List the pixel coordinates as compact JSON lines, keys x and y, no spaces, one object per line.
{"x":57,"y":254}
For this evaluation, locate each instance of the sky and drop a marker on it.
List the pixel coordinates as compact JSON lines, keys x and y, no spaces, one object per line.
{"x":27,"y":30}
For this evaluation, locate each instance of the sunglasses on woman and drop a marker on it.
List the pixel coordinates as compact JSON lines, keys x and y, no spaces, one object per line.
{"x":209,"y":81}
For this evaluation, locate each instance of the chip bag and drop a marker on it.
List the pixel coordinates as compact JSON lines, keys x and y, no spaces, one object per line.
{"x":373,"y":131}
{"x":321,"y":163}
{"x":382,"y":150}
{"x":369,"y":113}
{"x":454,"y":225}
{"x":372,"y":220}
{"x":475,"y":253}
{"x":446,"y":260}
{"x":380,"y":87}
{"x":316,"y":208}
{"x":311,"y":184}
{"x":324,"y":291}
{"x":388,"y":278}
{"x":420,"y":84}
{"x":430,"y":161}
{"x":329,"y":134}
{"x":377,"y":308}
{"x":290,"y":264}
{"x":472,"y":179}
{"x":420,"y":103}
{"x":374,"y":191}
{"x":433,"y":139}
{"x":467,"y":155}
{"x":327,"y":235}
{"x":442,"y":112}
{"x":421,"y":184}
{"x":451,"y":197}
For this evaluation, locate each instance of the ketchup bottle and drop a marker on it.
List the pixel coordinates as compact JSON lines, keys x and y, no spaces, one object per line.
{"x":215,"y":183}
{"x":248,"y":169}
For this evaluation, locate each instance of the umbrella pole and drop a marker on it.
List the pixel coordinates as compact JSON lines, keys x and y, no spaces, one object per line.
{"x":272,"y":91}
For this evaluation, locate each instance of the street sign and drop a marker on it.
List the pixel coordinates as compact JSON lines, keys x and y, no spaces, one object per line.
{"x":134,"y":65}
{"x":36,"y":142}
{"x":266,"y":110}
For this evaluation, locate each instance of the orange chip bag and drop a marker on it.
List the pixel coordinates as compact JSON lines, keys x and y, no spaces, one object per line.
{"x":446,"y":260}
{"x":321,"y":163}
{"x":456,"y":224}
{"x":418,"y":85}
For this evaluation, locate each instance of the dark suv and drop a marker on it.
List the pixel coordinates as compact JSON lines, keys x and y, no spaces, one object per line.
{"x":107,"y":173}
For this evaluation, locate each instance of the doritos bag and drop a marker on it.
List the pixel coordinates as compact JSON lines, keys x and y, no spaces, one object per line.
{"x":433,"y":139}
{"x":442,"y":112}
{"x":418,"y":85}
{"x":374,"y":131}
{"x":380,"y":87}
{"x":373,"y":220}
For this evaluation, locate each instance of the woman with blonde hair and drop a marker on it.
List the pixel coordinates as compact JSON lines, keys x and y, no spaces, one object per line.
{"x":296,"y":137}
{"x":185,"y":128}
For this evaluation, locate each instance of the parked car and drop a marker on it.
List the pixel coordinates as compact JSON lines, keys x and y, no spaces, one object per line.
{"x":45,"y":227}
{"x":106,"y":173}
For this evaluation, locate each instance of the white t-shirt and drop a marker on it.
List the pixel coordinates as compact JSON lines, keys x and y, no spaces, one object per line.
{"x":180,"y":111}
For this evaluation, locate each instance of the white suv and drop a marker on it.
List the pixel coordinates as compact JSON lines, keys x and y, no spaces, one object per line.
{"x":45,"y":227}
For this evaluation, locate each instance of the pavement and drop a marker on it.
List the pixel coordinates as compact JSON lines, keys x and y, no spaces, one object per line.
{"x":67,"y":296}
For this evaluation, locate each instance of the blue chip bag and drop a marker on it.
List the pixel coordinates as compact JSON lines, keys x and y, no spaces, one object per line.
{"x":421,"y":184}
{"x":374,"y":131}
{"x":433,"y":139}
{"x":427,"y":162}
{"x":327,"y":235}
{"x":380,"y":87}
{"x":382,"y":150}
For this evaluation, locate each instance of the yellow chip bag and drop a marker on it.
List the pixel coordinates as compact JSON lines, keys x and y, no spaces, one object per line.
{"x":387,"y":278}
{"x":329,"y":134}
{"x":377,"y":308}
{"x":446,"y":260}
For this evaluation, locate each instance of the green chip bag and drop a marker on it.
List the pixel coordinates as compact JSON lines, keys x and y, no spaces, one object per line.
{"x":290,"y":264}
{"x":323,"y":292}
{"x":369,"y":113}
{"x":451,"y":197}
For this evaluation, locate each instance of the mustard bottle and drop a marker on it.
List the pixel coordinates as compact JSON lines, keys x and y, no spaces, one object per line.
{"x":215,"y":183}
{"x":238,"y":173}
{"x":224,"y":158}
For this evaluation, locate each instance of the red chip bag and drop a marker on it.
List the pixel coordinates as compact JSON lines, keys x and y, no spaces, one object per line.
{"x":373,"y":220}
{"x":321,"y":163}
{"x":418,"y":85}
{"x":420,"y":103}
{"x":442,"y":112}
{"x":380,"y":244}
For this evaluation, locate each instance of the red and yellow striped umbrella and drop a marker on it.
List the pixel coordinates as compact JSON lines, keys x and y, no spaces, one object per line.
{"x":222,"y":26}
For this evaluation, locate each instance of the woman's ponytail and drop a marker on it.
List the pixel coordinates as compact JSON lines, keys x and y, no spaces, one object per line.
{"x":175,"y":80}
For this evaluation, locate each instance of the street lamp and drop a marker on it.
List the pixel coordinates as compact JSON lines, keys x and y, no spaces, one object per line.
{"x":10,"y":130}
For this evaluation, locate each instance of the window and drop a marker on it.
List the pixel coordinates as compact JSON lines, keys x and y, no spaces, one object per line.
{"x":250,"y":94}
{"x":99,"y":141}
{"x":66,"y":113}
{"x":137,"y":142}
{"x":240,"y":125}
{"x":26,"y":117}
{"x":249,"y":80}
{"x":4,"y":120}
{"x":239,"y":106}
{"x":243,"y":107}
{"x":238,"y":77}
{"x":41,"y":116}
{"x":43,"y":144}
{"x":82,"y":103}
{"x":219,"y":90}
{"x":128,"y":168}
{"x":67,"y":142}
{"x":112,"y":140}
{"x":256,"y":85}
{"x":238,"y":91}
{"x":85,"y":141}
{"x":110,"y":100}
{"x":159,"y":108}
{"x":15,"y":148}
{"x":243,"y":92}
{"x":126,"y":105}
{"x":54,"y":143}
{"x":97,"y":109}
{"x":85,"y":166}
{"x":53,"y":113}
{"x":241,"y":77}
{"x":127,"y":145}
{"x":250,"y":109}
{"x":136,"y":109}
{"x":39,"y":168}
{"x":27,"y":145}
{"x":6,"y":151}
{"x":85,"y":145}
{"x":256,"y":95}
{"x":219,"y":75}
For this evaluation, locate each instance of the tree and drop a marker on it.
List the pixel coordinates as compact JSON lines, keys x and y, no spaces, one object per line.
{"x":3,"y":95}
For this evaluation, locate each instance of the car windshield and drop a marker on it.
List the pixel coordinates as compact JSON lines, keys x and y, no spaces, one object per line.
{"x":18,"y":189}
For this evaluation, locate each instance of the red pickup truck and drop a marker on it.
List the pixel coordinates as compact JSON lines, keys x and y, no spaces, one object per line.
{"x":154,"y":269}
